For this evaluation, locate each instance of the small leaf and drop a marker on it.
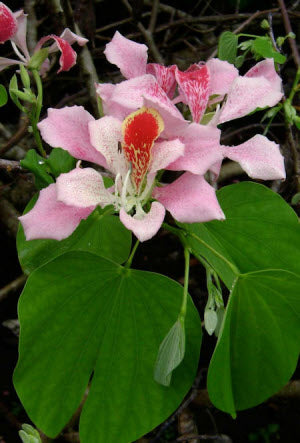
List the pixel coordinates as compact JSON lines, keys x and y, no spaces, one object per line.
{"x":227,"y":49}
{"x":296,"y":199}
{"x":24,"y":77}
{"x":290,"y":111}
{"x":60,"y":161}
{"x":170,"y":354}
{"x":210,"y":320}
{"x":264,"y":47}
{"x":38,"y":59}
{"x":265,"y":24}
{"x":297,"y":121}
{"x":3,"y":96}
{"x":38,"y":166}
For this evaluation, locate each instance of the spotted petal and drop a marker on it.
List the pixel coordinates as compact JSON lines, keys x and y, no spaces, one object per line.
{"x":190,"y":199}
{"x":19,"y":37}
{"x":165,"y":77}
{"x":146,"y":227}
{"x":68,"y":128}
{"x":83,"y":188}
{"x":194,"y":85}
{"x":8,"y":23}
{"x":68,"y":56}
{"x":140,"y":130}
{"x":105,"y":136}
{"x":259,"y":157}
{"x":129,"y":56}
{"x":51,"y":218}
{"x":164,"y":153}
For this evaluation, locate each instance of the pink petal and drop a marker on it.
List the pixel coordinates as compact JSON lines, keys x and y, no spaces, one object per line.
{"x":164,"y":153}
{"x":246,"y":94}
{"x":71,"y":37}
{"x":83,"y":188}
{"x":202,"y":149}
{"x":222,"y":75}
{"x":5,"y":62}
{"x":147,"y":227}
{"x":165,"y":77}
{"x":173,"y":120}
{"x":105,"y":92}
{"x":190,"y":199}
{"x":68,"y":55}
{"x":259,"y":157}
{"x":266,"y":69}
{"x":129,"y":93}
{"x":52,"y":219}
{"x":194,"y":84}
{"x":8,"y":23}
{"x":20,"y":36}
{"x":129,"y":56}
{"x":105,"y":134}
{"x":68,"y":128}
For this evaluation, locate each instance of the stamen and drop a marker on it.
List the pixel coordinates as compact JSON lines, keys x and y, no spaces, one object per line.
{"x":125,"y":185}
{"x":21,"y":56}
{"x":118,"y":176}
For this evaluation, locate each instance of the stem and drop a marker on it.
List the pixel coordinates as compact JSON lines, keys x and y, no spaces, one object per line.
{"x":35,"y":118}
{"x":270,"y":121}
{"x":182,"y":312}
{"x":128,"y":263}
{"x":295,"y":86}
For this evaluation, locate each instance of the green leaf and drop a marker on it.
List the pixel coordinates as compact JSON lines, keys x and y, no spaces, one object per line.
{"x":82,"y":314}
{"x":38,"y":59}
{"x":38,"y":166}
{"x":170,"y":354}
{"x":60,"y":161}
{"x":261,"y":231}
{"x":101,"y":233}
{"x":264,"y":47}
{"x":258,"y":348}
{"x":227,"y":49}
{"x":3,"y":96}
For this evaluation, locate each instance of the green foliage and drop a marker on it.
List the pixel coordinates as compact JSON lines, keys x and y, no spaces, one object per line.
{"x":252,"y":251}
{"x":227,"y":48}
{"x":258,"y":349}
{"x":44,"y":169}
{"x":3,"y":96}
{"x":81,"y":315}
{"x":263,"y":47}
{"x":101,"y":233}
{"x":38,"y":59}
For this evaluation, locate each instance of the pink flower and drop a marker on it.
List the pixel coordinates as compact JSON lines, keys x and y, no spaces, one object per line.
{"x":13,"y":27}
{"x":133,"y":152}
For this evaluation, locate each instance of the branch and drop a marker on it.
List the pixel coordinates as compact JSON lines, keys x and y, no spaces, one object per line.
{"x":288,"y":29}
{"x":10,"y":165}
{"x":12,"y":286}
{"x":22,"y":131}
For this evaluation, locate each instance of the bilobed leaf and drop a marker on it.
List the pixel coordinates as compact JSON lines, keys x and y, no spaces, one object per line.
{"x":38,"y":166}
{"x":60,"y":161}
{"x":82,"y":314}
{"x":227,"y":49}
{"x":101,"y":233}
{"x":170,"y":354}
{"x":261,"y":231}
{"x":259,"y":344}
{"x":3,"y":96}
{"x":264,"y":47}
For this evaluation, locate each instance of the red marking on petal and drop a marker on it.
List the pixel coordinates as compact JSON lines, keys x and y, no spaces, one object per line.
{"x":165,"y":76}
{"x":194,"y":84}
{"x":8,"y":23}
{"x":68,"y":56}
{"x":140,"y":130}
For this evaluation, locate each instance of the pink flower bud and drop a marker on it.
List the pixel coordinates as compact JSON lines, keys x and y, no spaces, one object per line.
{"x":8,"y":23}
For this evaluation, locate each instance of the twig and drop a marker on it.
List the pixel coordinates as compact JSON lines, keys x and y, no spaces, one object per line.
{"x":12,"y":286}
{"x":10,"y":165}
{"x":31,"y":25}
{"x":9,"y":216}
{"x":288,"y":29}
{"x":148,"y":35}
{"x":153,"y":18}
{"x":22,"y":131}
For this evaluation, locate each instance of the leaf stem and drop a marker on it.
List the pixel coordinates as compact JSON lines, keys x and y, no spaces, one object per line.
{"x":35,"y":118}
{"x":129,"y":261}
{"x":182,"y":312}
